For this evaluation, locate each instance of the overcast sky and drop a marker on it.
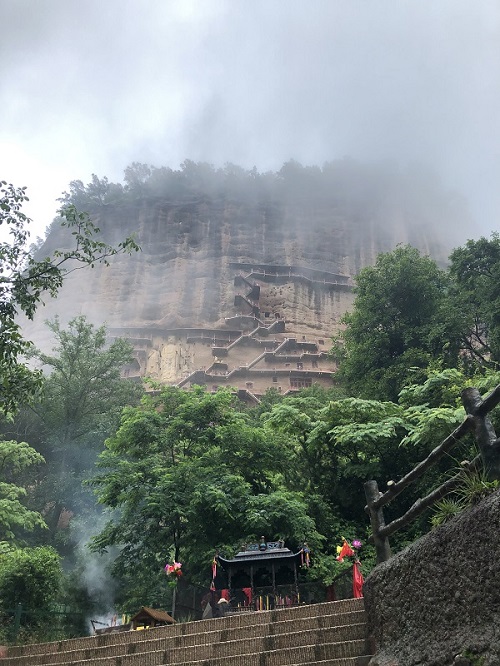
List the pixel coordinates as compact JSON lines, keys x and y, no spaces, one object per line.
{"x":88,"y":86}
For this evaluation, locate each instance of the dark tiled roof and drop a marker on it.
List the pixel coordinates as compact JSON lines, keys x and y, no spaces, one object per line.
{"x":258,"y":556}
{"x":260,"y":553}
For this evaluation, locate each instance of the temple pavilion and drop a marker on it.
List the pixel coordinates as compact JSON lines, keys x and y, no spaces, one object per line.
{"x":264,"y":575}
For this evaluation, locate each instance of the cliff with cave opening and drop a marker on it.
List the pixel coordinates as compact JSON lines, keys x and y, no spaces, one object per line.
{"x":240,"y":290}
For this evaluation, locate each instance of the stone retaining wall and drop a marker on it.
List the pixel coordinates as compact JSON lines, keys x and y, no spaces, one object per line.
{"x":437,"y":603}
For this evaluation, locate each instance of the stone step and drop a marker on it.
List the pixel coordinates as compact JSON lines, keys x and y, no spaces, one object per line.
{"x":203,"y":646}
{"x":265,"y":644}
{"x":339,"y":622}
{"x":343,"y":661}
{"x":305,"y":654}
{"x":329,"y":634}
{"x":272,"y":629}
{"x":231,"y":622}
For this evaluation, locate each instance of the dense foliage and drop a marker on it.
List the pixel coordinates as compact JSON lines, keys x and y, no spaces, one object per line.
{"x":188,"y":473}
{"x":191,"y":473}
{"x":15,"y":517}
{"x":475,"y":269}
{"x":30,"y":581}
{"x":79,"y":406}
{"x":30,"y":576}
{"x":408,"y":314}
{"x":24,"y":280}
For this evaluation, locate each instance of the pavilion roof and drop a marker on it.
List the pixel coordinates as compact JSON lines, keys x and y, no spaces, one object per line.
{"x":274,"y":550}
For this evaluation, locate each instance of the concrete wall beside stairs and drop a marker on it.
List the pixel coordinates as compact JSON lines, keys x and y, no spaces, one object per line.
{"x":329,"y":634}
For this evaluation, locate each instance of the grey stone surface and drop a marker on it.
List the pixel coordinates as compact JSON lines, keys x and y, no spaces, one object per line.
{"x":437,"y":603}
{"x":182,"y":277}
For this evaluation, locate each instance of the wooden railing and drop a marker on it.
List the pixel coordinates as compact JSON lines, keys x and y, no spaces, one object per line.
{"x":478,"y":422}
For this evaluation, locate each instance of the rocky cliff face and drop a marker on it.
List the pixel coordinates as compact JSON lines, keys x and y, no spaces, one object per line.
{"x":227,"y":282}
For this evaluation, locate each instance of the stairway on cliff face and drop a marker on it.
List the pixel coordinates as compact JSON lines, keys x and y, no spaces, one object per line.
{"x":328,"y":634}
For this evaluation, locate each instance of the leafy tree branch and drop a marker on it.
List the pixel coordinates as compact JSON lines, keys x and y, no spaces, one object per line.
{"x":24,"y":280}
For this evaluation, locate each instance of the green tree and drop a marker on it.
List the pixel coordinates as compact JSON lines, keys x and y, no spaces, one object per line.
{"x":79,"y":406}
{"x":475,"y":268}
{"x":84,"y":392}
{"x":31,"y":577}
{"x":334,"y":447}
{"x":15,"y":518}
{"x":188,"y":473}
{"x":136,"y":175}
{"x":24,"y":280}
{"x":92,"y":196}
{"x":331,"y":448}
{"x":402,"y":319}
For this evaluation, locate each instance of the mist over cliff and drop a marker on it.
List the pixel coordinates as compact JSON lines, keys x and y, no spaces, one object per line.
{"x":88,"y":90}
{"x":297,"y":237}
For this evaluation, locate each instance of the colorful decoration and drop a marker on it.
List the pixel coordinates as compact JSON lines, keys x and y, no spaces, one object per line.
{"x":214,"y":572}
{"x":174,"y":570}
{"x":305,"y":556}
{"x":214,"y":566}
{"x":346,"y":550}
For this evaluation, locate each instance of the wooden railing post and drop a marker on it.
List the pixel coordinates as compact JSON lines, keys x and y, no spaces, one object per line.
{"x":488,"y":444}
{"x":377,"y":521}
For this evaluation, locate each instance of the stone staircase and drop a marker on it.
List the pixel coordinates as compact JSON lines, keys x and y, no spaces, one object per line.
{"x":328,"y":634}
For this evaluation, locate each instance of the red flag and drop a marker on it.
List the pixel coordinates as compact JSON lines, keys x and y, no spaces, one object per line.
{"x":357,"y":581}
{"x":247,"y":591}
{"x":345,"y":551}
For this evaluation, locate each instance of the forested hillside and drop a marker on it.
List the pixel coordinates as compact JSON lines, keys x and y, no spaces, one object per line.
{"x":105,"y":480}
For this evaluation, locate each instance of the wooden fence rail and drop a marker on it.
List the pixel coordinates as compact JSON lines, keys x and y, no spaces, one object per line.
{"x":478,"y":422}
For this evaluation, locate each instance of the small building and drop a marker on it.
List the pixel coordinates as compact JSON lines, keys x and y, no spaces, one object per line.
{"x":264,"y":575}
{"x":150,"y":617}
